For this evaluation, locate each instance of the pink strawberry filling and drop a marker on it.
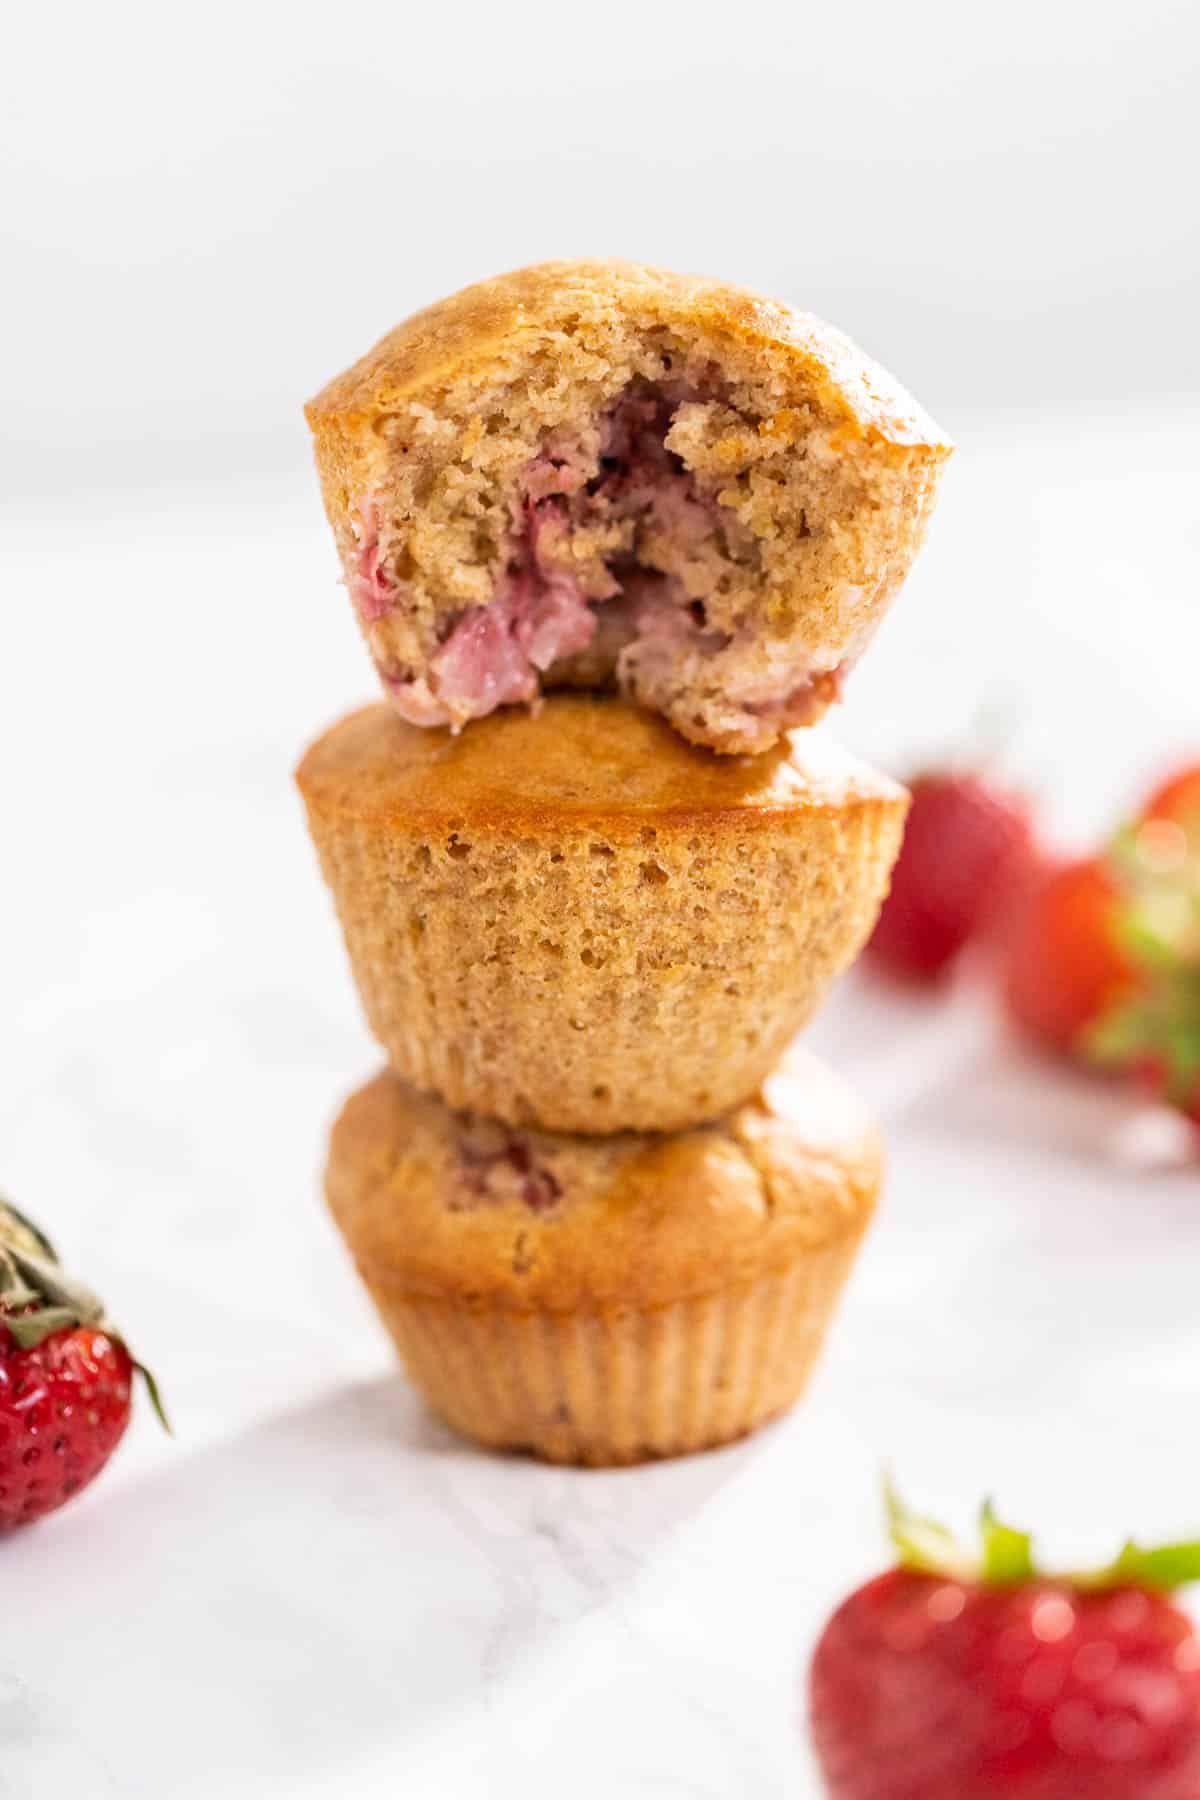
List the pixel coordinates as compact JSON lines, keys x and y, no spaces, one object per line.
{"x":512,"y":1161}
{"x":493,"y":654}
{"x":800,"y":703}
{"x":371,"y":588}
{"x":627,"y":489}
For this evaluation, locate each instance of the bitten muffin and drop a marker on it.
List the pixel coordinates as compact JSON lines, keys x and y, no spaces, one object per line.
{"x":595,"y":472}
{"x":582,"y":922}
{"x":605,"y":1300}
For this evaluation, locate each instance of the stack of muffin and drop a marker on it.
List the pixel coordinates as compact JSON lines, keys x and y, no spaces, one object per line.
{"x":614,"y":537}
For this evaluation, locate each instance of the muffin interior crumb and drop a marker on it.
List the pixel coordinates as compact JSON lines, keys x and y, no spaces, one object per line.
{"x":632,"y":511}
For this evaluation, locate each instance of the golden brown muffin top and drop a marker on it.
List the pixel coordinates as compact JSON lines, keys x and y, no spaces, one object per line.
{"x":584,"y":757}
{"x":444,"y":1204}
{"x":486,"y":326}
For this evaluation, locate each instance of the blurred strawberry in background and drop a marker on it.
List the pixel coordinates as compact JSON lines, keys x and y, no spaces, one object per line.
{"x":1151,"y":1030}
{"x":967,"y":845}
{"x":1096,"y":957}
{"x":1064,"y":962}
{"x":1178,"y":802}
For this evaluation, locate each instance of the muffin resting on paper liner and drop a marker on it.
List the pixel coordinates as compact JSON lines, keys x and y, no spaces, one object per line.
{"x":607,"y":1300}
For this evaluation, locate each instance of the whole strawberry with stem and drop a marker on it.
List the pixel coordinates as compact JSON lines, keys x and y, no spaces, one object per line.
{"x":982,"y":1678}
{"x":66,"y":1378}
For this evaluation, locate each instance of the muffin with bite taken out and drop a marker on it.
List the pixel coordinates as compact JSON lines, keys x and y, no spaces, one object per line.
{"x":601,"y":474}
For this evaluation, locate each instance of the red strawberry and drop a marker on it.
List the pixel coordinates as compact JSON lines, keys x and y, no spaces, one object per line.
{"x":65,"y":1378}
{"x":965,"y":844}
{"x":1064,"y":959}
{"x":950,"y":1680}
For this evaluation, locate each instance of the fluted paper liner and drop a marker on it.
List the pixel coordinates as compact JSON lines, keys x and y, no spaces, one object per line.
{"x":619,"y":1384}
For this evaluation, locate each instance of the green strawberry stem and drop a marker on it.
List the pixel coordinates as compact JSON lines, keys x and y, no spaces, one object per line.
{"x":151,"y":1385}
{"x":1005,"y":1555}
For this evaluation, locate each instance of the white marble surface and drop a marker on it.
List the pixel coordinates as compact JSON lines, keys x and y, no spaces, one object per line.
{"x":314,"y":1590}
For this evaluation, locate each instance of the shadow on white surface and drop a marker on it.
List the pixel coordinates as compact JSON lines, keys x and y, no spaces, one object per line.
{"x":308,"y":1597}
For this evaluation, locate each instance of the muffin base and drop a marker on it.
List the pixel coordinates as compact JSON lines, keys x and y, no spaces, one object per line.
{"x":619,"y":1385}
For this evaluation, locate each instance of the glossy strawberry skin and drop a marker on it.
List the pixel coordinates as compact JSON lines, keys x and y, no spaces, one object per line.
{"x":965,"y":844}
{"x":924,"y":1688}
{"x":64,"y":1406}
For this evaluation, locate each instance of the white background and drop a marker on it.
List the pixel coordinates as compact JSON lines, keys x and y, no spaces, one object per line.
{"x":212,"y":210}
{"x":313,"y":1590}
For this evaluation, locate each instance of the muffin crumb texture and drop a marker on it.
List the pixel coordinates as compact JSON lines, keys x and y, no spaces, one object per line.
{"x":596,"y":473}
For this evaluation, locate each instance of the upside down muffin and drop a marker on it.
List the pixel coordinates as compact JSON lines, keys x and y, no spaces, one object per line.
{"x":581,"y":921}
{"x":610,"y":1299}
{"x":596,"y":473}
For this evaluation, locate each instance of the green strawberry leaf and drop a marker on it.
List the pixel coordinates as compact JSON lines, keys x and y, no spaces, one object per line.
{"x":1007,"y":1553}
{"x":32,"y":1328}
{"x":922,"y":1544}
{"x":13,"y":1222}
{"x":1007,"y":1560}
{"x":61,"y":1289}
{"x":1163,"y":1568}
